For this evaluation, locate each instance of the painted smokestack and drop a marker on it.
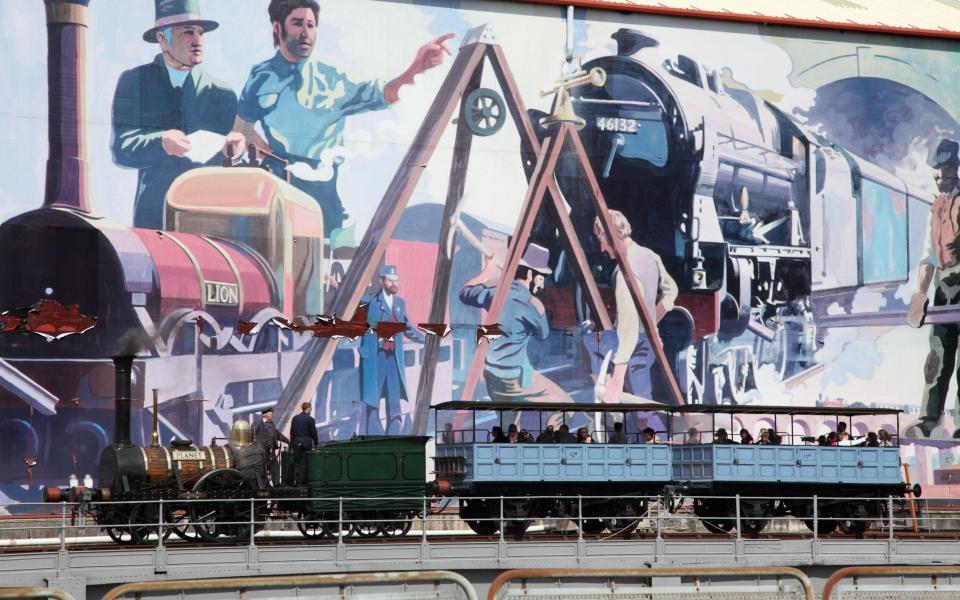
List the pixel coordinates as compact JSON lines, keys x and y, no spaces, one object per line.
{"x":123,"y":369}
{"x":67,"y":104}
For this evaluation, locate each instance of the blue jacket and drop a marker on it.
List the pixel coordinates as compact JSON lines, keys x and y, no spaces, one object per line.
{"x":378,"y":310}
{"x":304,"y":426}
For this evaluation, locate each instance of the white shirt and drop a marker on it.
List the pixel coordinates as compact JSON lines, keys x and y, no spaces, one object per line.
{"x":388,"y":298}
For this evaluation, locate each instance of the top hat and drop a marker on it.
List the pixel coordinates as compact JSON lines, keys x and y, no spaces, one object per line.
{"x":177,"y":12}
{"x":947,"y":154}
{"x":390,"y":272}
{"x":268,"y":409}
{"x":536,"y":257}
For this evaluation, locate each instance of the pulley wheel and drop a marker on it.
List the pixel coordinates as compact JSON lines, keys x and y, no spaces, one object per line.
{"x":484,"y":112}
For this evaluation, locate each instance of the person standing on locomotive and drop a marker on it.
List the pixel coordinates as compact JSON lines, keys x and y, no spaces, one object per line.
{"x":941,"y":266}
{"x":158,"y":105}
{"x":301,"y":103}
{"x":303,"y":432}
{"x":507,"y":371}
{"x":265,"y":435}
{"x":632,"y":353}
{"x":382,"y":371}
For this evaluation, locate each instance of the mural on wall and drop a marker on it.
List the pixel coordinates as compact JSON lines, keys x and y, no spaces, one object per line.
{"x":292,"y":202}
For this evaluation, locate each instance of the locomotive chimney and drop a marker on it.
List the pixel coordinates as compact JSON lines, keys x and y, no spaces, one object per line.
{"x":123,"y":368}
{"x":67,"y":106}
{"x":631,"y":41}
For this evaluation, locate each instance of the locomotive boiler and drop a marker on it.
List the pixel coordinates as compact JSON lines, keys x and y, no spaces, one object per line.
{"x":766,"y":226}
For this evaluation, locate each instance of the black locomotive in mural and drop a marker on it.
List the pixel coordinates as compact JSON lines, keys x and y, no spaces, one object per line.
{"x":769,"y":229}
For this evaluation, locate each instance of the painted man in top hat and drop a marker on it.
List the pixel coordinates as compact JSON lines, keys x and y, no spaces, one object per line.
{"x":381,"y":360}
{"x":507,"y":371}
{"x":301,"y":103}
{"x":268,"y":437}
{"x":940,"y":265}
{"x":157,"y":105}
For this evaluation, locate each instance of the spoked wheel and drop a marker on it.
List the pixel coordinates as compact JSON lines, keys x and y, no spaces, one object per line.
{"x":225,"y":516}
{"x":145,"y":521}
{"x":471,"y":511}
{"x":182,"y":527}
{"x":396,"y":528}
{"x":754,"y":516}
{"x":365,"y":529}
{"x":312,"y":527}
{"x":120,"y":534}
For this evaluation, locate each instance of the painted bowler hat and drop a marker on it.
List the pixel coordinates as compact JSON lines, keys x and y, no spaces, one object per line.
{"x":171,"y":13}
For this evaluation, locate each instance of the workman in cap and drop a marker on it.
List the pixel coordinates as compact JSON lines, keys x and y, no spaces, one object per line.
{"x":381,"y":360}
{"x":158,"y":105}
{"x":266,"y":435}
{"x":302,"y":103}
{"x":940,"y":265}
{"x":507,"y":371}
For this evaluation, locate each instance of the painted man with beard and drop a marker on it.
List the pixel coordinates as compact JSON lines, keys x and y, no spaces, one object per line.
{"x":507,"y":371}
{"x":940,"y":265}
{"x":301,"y":103}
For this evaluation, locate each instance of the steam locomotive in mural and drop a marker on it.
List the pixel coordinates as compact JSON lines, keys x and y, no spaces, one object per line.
{"x":769,"y":229}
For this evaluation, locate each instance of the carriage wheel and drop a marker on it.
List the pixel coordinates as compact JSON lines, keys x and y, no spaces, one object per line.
{"x":182,"y":527}
{"x":484,"y":112}
{"x":473,"y":510}
{"x":366,"y":529}
{"x":593,"y":525}
{"x":312,"y":527}
{"x":224,"y":514}
{"x":144,"y":522}
{"x":397,"y":527}
{"x":708,"y":513}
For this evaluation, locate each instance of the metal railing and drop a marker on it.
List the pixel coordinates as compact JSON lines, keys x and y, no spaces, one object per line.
{"x":243,"y":585}
{"x":34,"y":593}
{"x":246,"y":521}
{"x":832,"y":590}
{"x":501,"y":588}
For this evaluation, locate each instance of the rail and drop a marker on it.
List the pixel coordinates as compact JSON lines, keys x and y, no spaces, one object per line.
{"x":499,"y":584}
{"x":299,"y":581}
{"x":247,"y":521}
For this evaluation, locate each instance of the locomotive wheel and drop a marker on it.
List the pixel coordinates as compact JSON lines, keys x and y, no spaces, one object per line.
{"x":226,"y":518}
{"x":182,"y":526}
{"x":629,"y":519}
{"x":144,"y":522}
{"x":366,"y":529}
{"x":120,"y":534}
{"x":397,"y":527}
{"x":312,"y":527}
{"x":824,"y":527}
{"x":755,"y":516}
{"x":708,"y":513}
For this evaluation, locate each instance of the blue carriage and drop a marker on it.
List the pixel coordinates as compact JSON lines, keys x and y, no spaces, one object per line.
{"x":849,"y":475}
{"x":607,"y":484}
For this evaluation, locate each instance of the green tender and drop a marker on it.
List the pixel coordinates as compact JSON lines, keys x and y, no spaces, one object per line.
{"x":388,"y":472}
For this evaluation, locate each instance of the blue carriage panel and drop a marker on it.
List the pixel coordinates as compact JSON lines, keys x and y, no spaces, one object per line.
{"x":692,"y":463}
{"x":786,"y":457}
{"x":808,"y":463}
{"x":744,"y":463}
{"x":828,"y":460}
{"x":595,"y":463}
{"x":880,"y":465}
{"x":723,"y":465}
{"x":551,"y":462}
{"x":572,"y":463}
{"x":508,"y":462}
{"x":531,"y":462}
{"x":849,"y":459}
{"x":768,"y":465}
{"x":890,"y":466}
{"x":483,"y":456}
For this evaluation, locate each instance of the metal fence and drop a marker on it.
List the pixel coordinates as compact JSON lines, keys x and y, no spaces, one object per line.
{"x":588,"y":518}
{"x":893,"y":582}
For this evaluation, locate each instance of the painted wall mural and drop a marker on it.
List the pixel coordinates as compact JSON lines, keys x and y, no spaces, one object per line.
{"x":278,"y":201}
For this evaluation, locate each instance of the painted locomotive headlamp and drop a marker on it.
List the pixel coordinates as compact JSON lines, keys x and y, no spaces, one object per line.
{"x":182,"y":45}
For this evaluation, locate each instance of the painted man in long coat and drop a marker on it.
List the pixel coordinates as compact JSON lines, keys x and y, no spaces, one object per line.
{"x":158,"y":105}
{"x":381,"y":360}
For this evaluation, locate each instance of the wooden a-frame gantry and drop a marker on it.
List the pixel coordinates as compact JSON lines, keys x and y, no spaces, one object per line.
{"x":464,"y":77}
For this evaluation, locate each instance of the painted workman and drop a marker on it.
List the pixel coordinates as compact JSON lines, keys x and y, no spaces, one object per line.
{"x":940,"y":266}
{"x":382,"y":369}
{"x":507,"y":370}
{"x":301,"y":104}
{"x":158,"y":105}
{"x":266,"y":435}
{"x":630,"y":346}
